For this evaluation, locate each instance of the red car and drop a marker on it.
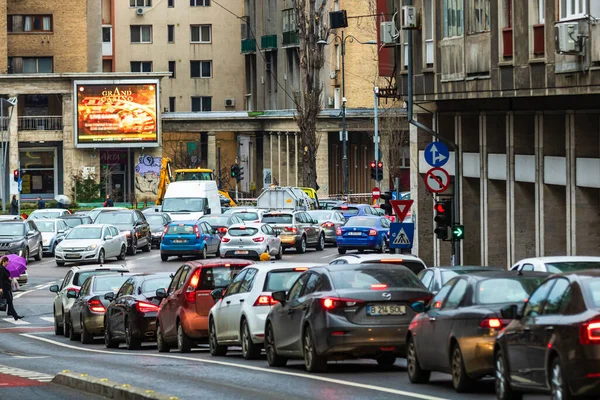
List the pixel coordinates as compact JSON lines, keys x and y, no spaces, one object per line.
{"x":182,"y":319}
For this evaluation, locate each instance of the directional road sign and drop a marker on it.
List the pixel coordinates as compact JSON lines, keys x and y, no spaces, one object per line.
{"x":20,"y":183}
{"x":401,"y":208}
{"x":436,"y":154}
{"x":401,"y":235}
{"x":437,"y":180}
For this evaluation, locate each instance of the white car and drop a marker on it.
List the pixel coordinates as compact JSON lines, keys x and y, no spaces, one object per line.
{"x":557,"y":264}
{"x":250,"y":240}
{"x":73,"y":280}
{"x":91,"y":243}
{"x":248,"y":215}
{"x":48,"y":213}
{"x":414,"y":263}
{"x":238,"y":317}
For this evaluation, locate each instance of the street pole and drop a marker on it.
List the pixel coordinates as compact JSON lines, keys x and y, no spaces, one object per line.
{"x":376,"y":129}
{"x":219,"y":165}
{"x":344,"y":133}
{"x":2,"y":172}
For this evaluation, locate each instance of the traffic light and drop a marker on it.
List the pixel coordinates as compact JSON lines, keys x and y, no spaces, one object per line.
{"x":373,"y":165}
{"x":240,"y":173}
{"x":458,"y":232}
{"x":386,"y":206}
{"x":235,"y":171}
{"x":379,"y":171}
{"x":16,"y":175}
{"x":443,"y":218}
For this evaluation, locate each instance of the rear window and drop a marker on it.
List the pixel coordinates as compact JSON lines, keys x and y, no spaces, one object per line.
{"x":592,"y":289}
{"x":109,"y":283}
{"x":347,"y":210}
{"x":364,"y":278}
{"x":216,"y":221}
{"x":218,"y":277}
{"x":447,"y":275}
{"x":247,"y":216}
{"x":414,"y":266}
{"x":73,"y":222}
{"x":558,"y":267}
{"x":368,"y":222}
{"x":277,"y":219}
{"x":280,"y":280}
{"x":242,"y":232}
{"x":80,"y":277}
{"x":155,"y":219}
{"x":152,"y":285}
{"x":180,"y":229}
{"x":506,"y":290}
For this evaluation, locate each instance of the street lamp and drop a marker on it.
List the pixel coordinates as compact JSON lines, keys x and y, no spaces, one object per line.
{"x":342,"y":40}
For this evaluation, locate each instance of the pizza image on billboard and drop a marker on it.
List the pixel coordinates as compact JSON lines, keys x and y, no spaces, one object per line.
{"x":116,"y":113}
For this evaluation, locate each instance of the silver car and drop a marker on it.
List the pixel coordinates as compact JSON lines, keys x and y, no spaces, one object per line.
{"x":48,"y":213}
{"x":53,"y":231}
{"x":91,"y":243}
{"x":251,"y":240}
{"x":330,"y":221}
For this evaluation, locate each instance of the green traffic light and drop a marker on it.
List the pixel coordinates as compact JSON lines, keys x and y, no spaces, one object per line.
{"x":458,"y":232}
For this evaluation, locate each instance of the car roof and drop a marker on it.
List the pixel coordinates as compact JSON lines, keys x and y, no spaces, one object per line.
{"x":47,"y":220}
{"x":117,"y":209}
{"x":91,"y":226}
{"x":558,"y":259}
{"x":249,"y":224}
{"x":274,"y":266}
{"x":99,"y":267}
{"x":68,"y":216}
{"x":586,"y":273}
{"x":482,"y":275}
{"x":349,"y":267}
{"x":119,"y":273}
{"x":354,"y":205}
{"x":50,"y":209}
{"x":184,"y":222}
{"x":467,"y":268}
{"x":214,"y":262}
{"x":12,"y":221}
{"x":369,"y":257}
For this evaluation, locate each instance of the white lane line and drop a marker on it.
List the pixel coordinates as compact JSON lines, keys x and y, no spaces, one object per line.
{"x":36,"y":288}
{"x":248,"y":367}
{"x":18,"y":322}
{"x":330,"y":255}
{"x":28,"y":357}
{"x":47,"y":319}
{"x":21,"y":294}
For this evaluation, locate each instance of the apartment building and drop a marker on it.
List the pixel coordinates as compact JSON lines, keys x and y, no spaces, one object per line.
{"x":523,"y":109}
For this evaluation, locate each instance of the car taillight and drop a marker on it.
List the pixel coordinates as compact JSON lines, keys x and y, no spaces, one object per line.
{"x":379,"y":286}
{"x":338,"y":231}
{"x":292,"y":229}
{"x":372,"y":232}
{"x":329,"y":303}
{"x":197,"y":231}
{"x":96,"y":306}
{"x":144,"y":307}
{"x":265,"y":300}
{"x":225,"y":239}
{"x":222,"y":230}
{"x":589,"y":332}
{"x":494,"y":323}
{"x":327,"y":225}
{"x":190,"y":293}
{"x":165,"y":230}
{"x":258,"y":239}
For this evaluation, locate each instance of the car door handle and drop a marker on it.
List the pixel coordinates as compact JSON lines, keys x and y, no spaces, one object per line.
{"x":228,"y":302}
{"x":432,"y":319}
{"x":549,"y":328}
{"x":241,"y":300}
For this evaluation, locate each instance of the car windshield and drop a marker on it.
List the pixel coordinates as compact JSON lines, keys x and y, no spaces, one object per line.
{"x":180,"y":229}
{"x":506,"y":290}
{"x":80,"y":277}
{"x":150,"y":286}
{"x":44,"y":214}
{"x":106,"y":284}
{"x":277,"y":219}
{"x":193,"y":176}
{"x":247,"y":216}
{"x":361,"y":222}
{"x":184,"y":204}
{"x":280,"y":280}
{"x":115,"y":218}
{"x":242,"y":231}
{"x":155,"y":219}
{"x":569,"y":266}
{"x":72,"y":222}
{"x":45,"y":226}
{"x":321,"y":215}
{"x":365,"y":278}
{"x":85,"y":233}
{"x":218,"y":277}
{"x":347,"y":210}
{"x":12,"y":229}
{"x":216,"y":221}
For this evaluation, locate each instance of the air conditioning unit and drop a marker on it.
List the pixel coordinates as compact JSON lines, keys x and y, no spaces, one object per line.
{"x":229,"y":102}
{"x":568,"y":38}
{"x":332,"y":74}
{"x":388,"y":33}
{"x":331,"y":101}
{"x":140,"y":11}
{"x":409,"y":17}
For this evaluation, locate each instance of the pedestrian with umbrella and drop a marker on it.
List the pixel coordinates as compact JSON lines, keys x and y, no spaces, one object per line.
{"x":8,"y":270}
{"x":62,"y":201}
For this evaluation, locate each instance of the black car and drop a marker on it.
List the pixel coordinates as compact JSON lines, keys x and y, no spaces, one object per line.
{"x":339,"y":312}
{"x":133,"y":223}
{"x":131,"y":315}
{"x":221,"y":223}
{"x":22,"y":238}
{"x":158,"y":221}
{"x":554,"y":343}
{"x":74,"y":220}
{"x":435,"y":278}
{"x":462,"y":321}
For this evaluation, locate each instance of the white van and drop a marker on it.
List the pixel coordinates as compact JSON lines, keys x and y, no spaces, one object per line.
{"x":191,"y":200}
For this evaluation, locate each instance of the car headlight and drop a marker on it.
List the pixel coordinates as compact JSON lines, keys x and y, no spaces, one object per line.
{"x":46,"y":242}
{"x":128,"y":233}
{"x":59,"y":248}
{"x":91,"y":247}
{"x":20,"y":253}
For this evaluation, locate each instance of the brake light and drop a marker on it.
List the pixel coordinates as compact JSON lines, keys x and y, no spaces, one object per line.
{"x":327,"y":225}
{"x":589,"y":332}
{"x":344,"y":207}
{"x":190,"y":293}
{"x":197,"y":231}
{"x":301,"y":269}
{"x":379,"y":286}
{"x":391,"y":260}
{"x":144,"y":307}
{"x":225,"y":240}
{"x":329,"y":303}
{"x":338,"y":231}
{"x":292,"y":229}
{"x":372,"y":232}
{"x":258,"y":239}
{"x":222,"y":230}
{"x":76,"y":289}
{"x":493,"y":323}
{"x":96,"y":306}
{"x":265,"y":300}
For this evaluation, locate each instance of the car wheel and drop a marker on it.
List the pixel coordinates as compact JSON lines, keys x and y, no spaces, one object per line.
{"x":383,"y":247}
{"x":72,"y":335}
{"x":415,"y":373}
{"x":132,"y":342}
{"x":133,"y":249}
{"x":58,"y":329}
{"x":386,"y":360}
{"x":460,"y":379}
{"x":65,"y":324}
{"x":122,"y":254}
{"x":273,"y":358}
{"x":109,"y":342}
{"x":502,"y":385}
{"x":341,"y":251}
{"x":148,"y":247}
{"x":86,"y":336}
{"x":203,"y":254}
{"x":184,"y":343}
{"x":558,"y":384}
{"x":60,"y":263}
{"x":216,"y":350}
{"x":101,"y":256}
{"x":40,"y":253}
{"x":279,"y":254}
{"x":321,"y":244}
{"x":218,"y":253}
{"x":161,"y":343}
{"x":314,"y":362}
{"x":250,"y":350}
{"x":301,"y":247}
{"x":164,"y":257}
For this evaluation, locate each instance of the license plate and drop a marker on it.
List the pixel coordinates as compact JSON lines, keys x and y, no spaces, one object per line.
{"x":72,"y":256}
{"x":179,"y":241}
{"x":241,"y":252}
{"x":354,"y":233}
{"x":385,"y":309}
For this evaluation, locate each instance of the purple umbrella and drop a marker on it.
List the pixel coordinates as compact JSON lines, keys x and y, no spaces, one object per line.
{"x":16,"y":265}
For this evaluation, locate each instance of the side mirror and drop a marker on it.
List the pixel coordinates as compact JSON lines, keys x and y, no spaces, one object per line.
{"x":161,"y":293}
{"x":108,"y":237}
{"x":54,"y":288}
{"x":315,"y":222}
{"x":61,"y":231}
{"x":110,"y":296}
{"x":217,"y":294}
{"x":510,"y":312}
{"x":280,"y":296}
{"x":71,"y":294}
{"x":207,"y":211}
{"x":31,"y":233}
{"x":418,"y":307}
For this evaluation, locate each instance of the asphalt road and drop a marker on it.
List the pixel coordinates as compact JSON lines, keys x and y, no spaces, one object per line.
{"x":31,"y":345}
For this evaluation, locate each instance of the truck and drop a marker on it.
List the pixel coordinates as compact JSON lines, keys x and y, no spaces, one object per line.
{"x":191,"y":200}
{"x":283,"y":198}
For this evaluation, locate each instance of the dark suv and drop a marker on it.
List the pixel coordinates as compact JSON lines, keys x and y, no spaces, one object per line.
{"x":133,"y":224}
{"x":22,"y":238}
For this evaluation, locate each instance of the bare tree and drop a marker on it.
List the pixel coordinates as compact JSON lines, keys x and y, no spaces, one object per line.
{"x":311,"y":28}
{"x":394,"y":138}
{"x":181,"y":156}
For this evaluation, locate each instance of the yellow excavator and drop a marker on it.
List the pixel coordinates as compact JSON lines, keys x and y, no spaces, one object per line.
{"x":188,"y":174}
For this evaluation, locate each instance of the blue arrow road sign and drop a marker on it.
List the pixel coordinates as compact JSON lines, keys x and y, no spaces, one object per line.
{"x":20,"y":182}
{"x":401,"y":235}
{"x":436,"y":154}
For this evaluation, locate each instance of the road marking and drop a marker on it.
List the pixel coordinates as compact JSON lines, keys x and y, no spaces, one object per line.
{"x":47,"y":319}
{"x":36,"y":288}
{"x":22,"y":373}
{"x":17,"y":322}
{"x":29,"y":357}
{"x":330,"y":255}
{"x":248,"y":367}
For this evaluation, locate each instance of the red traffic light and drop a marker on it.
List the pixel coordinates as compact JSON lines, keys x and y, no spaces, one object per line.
{"x":16,"y":175}
{"x":440,"y":208}
{"x":380,"y":164}
{"x":373,"y":164}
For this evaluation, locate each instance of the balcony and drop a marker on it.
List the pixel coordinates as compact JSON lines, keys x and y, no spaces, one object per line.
{"x":41,"y":123}
{"x":290,"y":39}
{"x":268,"y":42}
{"x":248,"y":46}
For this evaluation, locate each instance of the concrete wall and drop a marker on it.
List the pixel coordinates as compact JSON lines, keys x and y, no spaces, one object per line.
{"x":3,"y":38}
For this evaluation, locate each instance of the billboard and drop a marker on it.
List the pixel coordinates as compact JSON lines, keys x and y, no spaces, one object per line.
{"x":117,"y":113}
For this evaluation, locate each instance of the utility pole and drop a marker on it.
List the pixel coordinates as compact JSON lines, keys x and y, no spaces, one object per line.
{"x":376,"y":129}
{"x":219,"y":165}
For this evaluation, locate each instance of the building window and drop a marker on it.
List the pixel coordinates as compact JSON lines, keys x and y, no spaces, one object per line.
{"x":172,"y":104}
{"x":539,"y":39}
{"x":29,"y":23}
{"x":571,"y":9}
{"x":140,"y":3}
{"x":337,"y":51}
{"x":541,"y":11}
{"x":106,"y":34}
{"x":479,"y":16}
{"x":141,"y":33}
{"x":171,"y":33}
{"x":171,"y":3}
{"x":199,"y":3}
{"x":453,"y":18}
{"x":200,"y":33}
{"x":141,"y":66}
{"x":202,"y":103}
{"x":507,"y":28}
{"x":201,"y":69}
{"x":40,"y":175}
{"x":172,"y":67}
{"x":428,"y":29}
{"x":37,"y":65}
{"x":289,"y":20}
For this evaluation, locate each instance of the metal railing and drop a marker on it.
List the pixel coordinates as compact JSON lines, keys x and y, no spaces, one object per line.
{"x":42,"y":123}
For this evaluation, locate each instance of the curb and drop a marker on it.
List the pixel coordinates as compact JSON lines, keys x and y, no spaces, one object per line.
{"x":105,"y":388}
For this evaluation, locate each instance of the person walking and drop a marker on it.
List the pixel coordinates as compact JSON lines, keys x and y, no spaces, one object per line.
{"x":14,"y":205}
{"x":41,"y":203}
{"x":5,"y":284}
{"x":109,"y":202}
